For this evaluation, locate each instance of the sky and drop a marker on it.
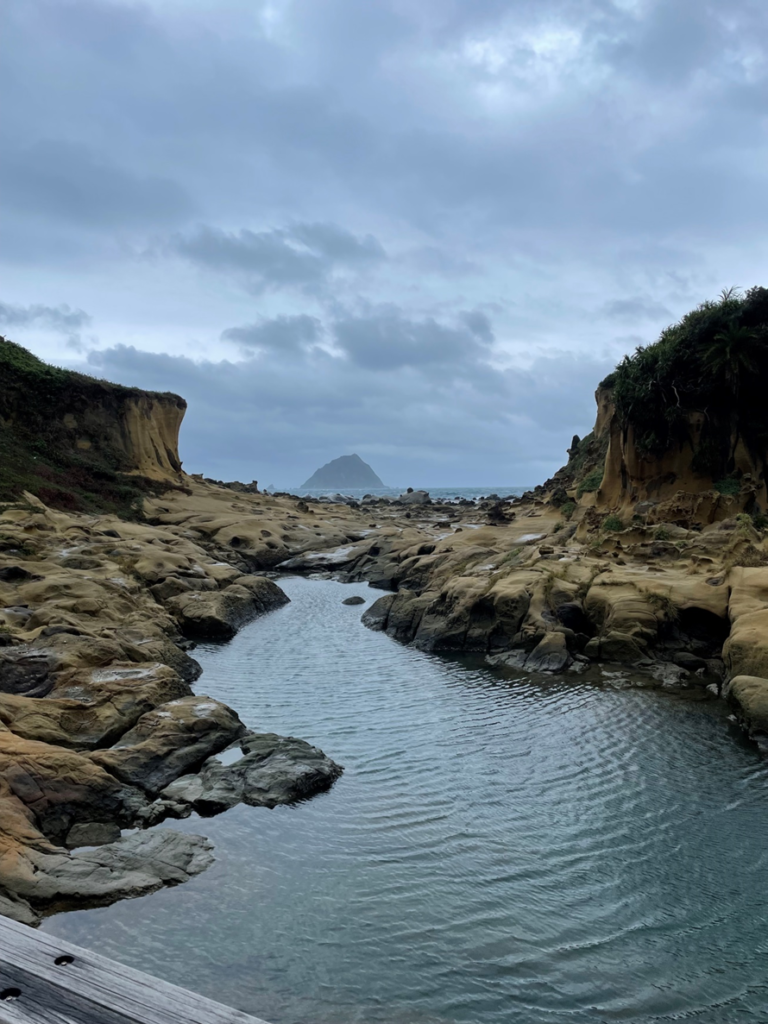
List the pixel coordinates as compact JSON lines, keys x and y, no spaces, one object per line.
{"x":418,"y":230}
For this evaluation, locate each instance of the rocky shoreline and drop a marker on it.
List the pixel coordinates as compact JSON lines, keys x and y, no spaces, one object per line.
{"x":645,"y":602}
{"x":102,"y":737}
{"x":100,"y":731}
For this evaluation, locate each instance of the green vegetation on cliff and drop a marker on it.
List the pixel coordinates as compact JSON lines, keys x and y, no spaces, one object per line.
{"x":713,"y":362}
{"x":63,"y":436}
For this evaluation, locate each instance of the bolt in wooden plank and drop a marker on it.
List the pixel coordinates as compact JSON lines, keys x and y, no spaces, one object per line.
{"x":59,"y":983}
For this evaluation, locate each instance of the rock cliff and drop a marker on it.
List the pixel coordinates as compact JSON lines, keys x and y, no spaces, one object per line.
{"x":682,"y":423}
{"x":80,"y":443}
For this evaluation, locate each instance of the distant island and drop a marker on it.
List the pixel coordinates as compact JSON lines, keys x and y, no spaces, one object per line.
{"x":347,"y":471}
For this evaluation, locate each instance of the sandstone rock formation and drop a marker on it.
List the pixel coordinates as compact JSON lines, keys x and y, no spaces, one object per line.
{"x":97,"y":714}
{"x":81,"y":443}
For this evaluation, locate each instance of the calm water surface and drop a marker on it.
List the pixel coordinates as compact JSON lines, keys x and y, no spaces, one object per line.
{"x":496,"y":852}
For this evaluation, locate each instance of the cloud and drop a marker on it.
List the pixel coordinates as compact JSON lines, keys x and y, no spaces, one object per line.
{"x":67,"y":181}
{"x":386,"y":339}
{"x":292,"y":407}
{"x":60,"y":319}
{"x":638,"y":307}
{"x":285,"y":333}
{"x":302,"y":256}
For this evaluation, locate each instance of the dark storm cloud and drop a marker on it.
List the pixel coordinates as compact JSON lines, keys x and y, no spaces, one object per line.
{"x":317,"y":116}
{"x":61,"y":319}
{"x":386,"y":339}
{"x":301,"y":256}
{"x":287,"y":333}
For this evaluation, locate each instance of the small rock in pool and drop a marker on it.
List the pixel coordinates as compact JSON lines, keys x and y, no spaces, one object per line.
{"x":354,"y":600}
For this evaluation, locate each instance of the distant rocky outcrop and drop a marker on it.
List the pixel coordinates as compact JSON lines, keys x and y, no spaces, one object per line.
{"x":347,"y":471}
{"x":82,"y":444}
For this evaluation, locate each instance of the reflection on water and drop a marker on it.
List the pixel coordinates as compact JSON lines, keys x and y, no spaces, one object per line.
{"x":496,"y":851}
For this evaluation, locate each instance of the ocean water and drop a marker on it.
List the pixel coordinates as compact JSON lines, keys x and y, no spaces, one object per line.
{"x":444,"y":493}
{"x":498,"y":851}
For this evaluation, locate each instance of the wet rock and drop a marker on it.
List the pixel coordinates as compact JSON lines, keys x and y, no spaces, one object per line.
{"x":92,"y":833}
{"x":169,"y":741}
{"x":377,"y":615}
{"x":135,"y":865}
{"x":14,"y":574}
{"x":60,"y":787}
{"x":550,"y":654}
{"x":18,"y":910}
{"x":616,"y":646}
{"x":273,"y":770}
{"x":220,"y":615}
{"x":26,"y":670}
{"x":81,"y":562}
{"x":669,"y":675}
{"x":688,"y":661}
{"x":749,"y":697}
{"x":356,"y":599}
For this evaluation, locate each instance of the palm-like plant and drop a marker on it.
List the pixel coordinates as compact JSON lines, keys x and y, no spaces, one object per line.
{"x":731,"y":353}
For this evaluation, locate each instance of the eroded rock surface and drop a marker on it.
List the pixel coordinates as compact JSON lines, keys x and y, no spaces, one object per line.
{"x":219,"y":616}
{"x":96,"y":710}
{"x":272,"y":770}
{"x":169,"y":741}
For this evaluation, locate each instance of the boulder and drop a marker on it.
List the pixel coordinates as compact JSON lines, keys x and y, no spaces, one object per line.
{"x":220,"y":615}
{"x":173,"y":739}
{"x":749,"y":697}
{"x":746,"y":650}
{"x":93,"y":707}
{"x":616,"y":646}
{"x":549,"y":655}
{"x":26,"y":670}
{"x":273,"y":770}
{"x":61,"y":788}
{"x":415,"y":498}
{"x":356,"y":599}
{"x":172,"y":586}
{"x":377,"y":616}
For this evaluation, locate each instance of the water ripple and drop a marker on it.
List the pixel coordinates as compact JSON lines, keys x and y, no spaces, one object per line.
{"x":497,"y":851}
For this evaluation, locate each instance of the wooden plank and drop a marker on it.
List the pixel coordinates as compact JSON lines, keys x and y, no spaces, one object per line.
{"x":46,"y":981}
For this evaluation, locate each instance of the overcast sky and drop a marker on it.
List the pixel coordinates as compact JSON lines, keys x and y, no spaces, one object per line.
{"x":419,"y":230}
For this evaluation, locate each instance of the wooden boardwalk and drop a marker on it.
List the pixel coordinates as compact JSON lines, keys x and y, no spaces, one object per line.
{"x":46,"y":981}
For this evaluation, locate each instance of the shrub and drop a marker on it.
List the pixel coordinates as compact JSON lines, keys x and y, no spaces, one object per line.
{"x":714,"y":358}
{"x":730,"y":487}
{"x":567,"y":509}
{"x":613,"y":522}
{"x":662,"y":533}
{"x":591,"y":481}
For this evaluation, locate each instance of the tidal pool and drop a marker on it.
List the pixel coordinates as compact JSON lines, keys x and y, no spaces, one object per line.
{"x":497,"y":852}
